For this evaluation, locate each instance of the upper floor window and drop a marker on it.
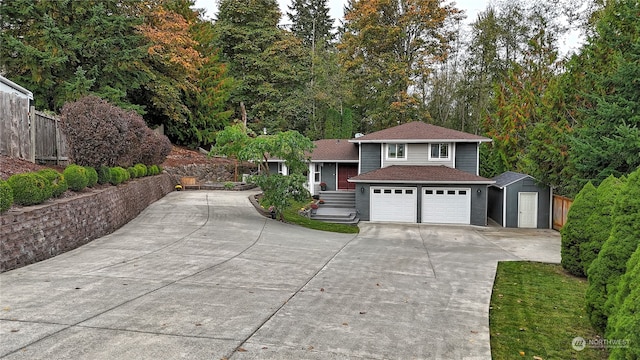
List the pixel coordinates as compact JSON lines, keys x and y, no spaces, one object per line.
{"x":396,"y":151}
{"x":439,"y":152}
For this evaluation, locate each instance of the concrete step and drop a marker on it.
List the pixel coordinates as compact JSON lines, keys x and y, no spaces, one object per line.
{"x":337,"y":219}
{"x":348,"y":204}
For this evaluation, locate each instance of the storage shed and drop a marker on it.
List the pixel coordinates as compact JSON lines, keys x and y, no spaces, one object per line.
{"x":519,"y":201}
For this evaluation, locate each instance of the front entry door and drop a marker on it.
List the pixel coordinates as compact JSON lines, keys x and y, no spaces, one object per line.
{"x":527,"y":210}
{"x":346,"y":171}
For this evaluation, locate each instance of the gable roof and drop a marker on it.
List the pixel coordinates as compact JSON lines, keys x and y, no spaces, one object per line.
{"x":508,"y":178}
{"x":418,"y":131}
{"x":334,"y":150}
{"x":420,"y":174}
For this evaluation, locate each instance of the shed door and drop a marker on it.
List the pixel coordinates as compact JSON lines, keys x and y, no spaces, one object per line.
{"x":446,"y":205}
{"x":527,"y":210}
{"x":397,"y":204}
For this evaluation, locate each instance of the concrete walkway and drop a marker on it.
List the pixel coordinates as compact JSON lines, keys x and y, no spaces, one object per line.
{"x":199,"y":275}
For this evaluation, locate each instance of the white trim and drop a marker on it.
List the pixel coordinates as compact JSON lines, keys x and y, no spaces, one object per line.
{"x":359,"y":159}
{"x":386,"y":153}
{"x":381,"y":155}
{"x":426,"y":182}
{"x":8,"y":83}
{"x":421,"y":141}
{"x":478,"y":159}
{"x":449,"y":152}
{"x":504,"y":207}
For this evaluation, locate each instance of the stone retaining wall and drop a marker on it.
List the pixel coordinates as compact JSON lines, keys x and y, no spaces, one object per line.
{"x":35,"y":233}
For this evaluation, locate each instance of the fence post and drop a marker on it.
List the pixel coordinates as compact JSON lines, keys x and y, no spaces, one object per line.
{"x":32,"y":134}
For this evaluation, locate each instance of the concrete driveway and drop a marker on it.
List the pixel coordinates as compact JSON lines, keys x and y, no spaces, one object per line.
{"x":200,"y":275}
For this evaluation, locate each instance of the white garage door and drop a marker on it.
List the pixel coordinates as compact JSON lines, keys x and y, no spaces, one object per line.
{"x":446,"y":205}
{"x":397,"y":204}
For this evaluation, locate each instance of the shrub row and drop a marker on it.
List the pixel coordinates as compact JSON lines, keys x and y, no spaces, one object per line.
{"x":603,"y":241}
{"x":102,"y":134}
{"x":36,"y":187}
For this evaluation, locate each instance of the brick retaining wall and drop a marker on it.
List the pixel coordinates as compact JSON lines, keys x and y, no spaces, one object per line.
{"x":36,"y":233}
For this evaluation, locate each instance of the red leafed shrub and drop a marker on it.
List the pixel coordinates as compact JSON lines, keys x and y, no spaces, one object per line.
{"x":102,"y":134}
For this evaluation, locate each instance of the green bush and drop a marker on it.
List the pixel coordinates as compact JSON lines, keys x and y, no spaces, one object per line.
{"x":29,"y":188}
{"x":152,"y":170}
{"x":56,"y":180}
{"x":76,"y":177}
{"x":118,"y":175}
{"x":141,"y":169}
{"x":133,"y":173}
{"x":229,"y":185}
{"x":574,"y":233}
{"x":605,"y":271}
{"x":127,"y":176}
{"x":6,"y":196}
{"x":92,"y":176}
{"x":624,"y":322}
{"x":598,"y":227}
{"x":104,"y":175}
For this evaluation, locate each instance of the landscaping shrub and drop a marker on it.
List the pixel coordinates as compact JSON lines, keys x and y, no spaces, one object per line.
{"x":102,"y":134}
{"x":6,"y":196}
{"x":575,"y":232}
{"x":118,"y":175}
{"x":76,"y":177}
{"x":141,"y":170}
{"x":606,"y":270}
{"x":92,"y":176}
{"x":29,"y":188}
{"x":104,"y":175}
{"x":624,"y":322}
{"x":56,"y":180}
{"x":153,"y":170}
{"x":133,"y":173}
{"x":598,"y":225}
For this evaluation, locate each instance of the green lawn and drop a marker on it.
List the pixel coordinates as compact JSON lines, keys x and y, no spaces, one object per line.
{"x":537,"y":310}
{"x":291,"y":216}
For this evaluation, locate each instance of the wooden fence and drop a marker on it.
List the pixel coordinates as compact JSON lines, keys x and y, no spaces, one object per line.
{"x":16,"y":137}
{"x":29,"y":134}
{"x":51,"y":144}
{"x":561,"y":207}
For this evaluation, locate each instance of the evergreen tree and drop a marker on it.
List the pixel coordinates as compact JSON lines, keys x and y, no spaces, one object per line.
{"x":575,"y":231}
{"x":607,"y":140}
{"x":311,"y":22}
{"x":605,"y":271}
{"x":267,"y":62}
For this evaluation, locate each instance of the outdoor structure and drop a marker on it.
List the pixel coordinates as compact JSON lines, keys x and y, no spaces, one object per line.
{"x":518,"y":201}
{"x":414,"y":173}
{"x":16,"y":112}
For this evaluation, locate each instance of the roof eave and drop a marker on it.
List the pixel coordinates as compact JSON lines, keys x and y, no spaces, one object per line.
{"x":440,"y":182}
{"x":421,"y":141}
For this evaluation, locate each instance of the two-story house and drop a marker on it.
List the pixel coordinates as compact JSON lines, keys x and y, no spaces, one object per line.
{"x":414,"y":172}
{"x":417,"y":172}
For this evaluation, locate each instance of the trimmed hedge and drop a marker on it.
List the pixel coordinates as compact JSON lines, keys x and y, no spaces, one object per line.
{"x":606,"y":270}
{"x":118,"y":175}
{"x":92,"y":176}
{"x":57,"y":181}
{"x":624,"y":322}
{"x":104,"y":175}
{"x":6,"y":196}
{"x":29,"y":188}
{"x":76,"y":176}
{"x":575,"y":232}
{"x":141,"y":170}
{"x":598,"y":227}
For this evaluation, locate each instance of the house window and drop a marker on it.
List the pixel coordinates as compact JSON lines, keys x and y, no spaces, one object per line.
{"x":439,"y":152}
{"x":395,"y":151}
{"x":316,"y":173}
{"x":281,"y":169}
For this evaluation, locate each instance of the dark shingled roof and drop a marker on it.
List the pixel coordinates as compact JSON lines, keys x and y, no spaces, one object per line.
{"x":334,"y":149}
{"x":420,"y":174}
{"x":508,"y":178}
{"x":419,"y":131}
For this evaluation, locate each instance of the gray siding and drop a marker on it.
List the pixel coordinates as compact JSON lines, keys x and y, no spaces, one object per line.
{"x":328,"y":175}
{"x":362,"y":201}
{"x":369,"y":157}
{"x":418,"y":154}
{"x":467,"y":157}
{"x":528,"y":185}
{"x":273,"y":168}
